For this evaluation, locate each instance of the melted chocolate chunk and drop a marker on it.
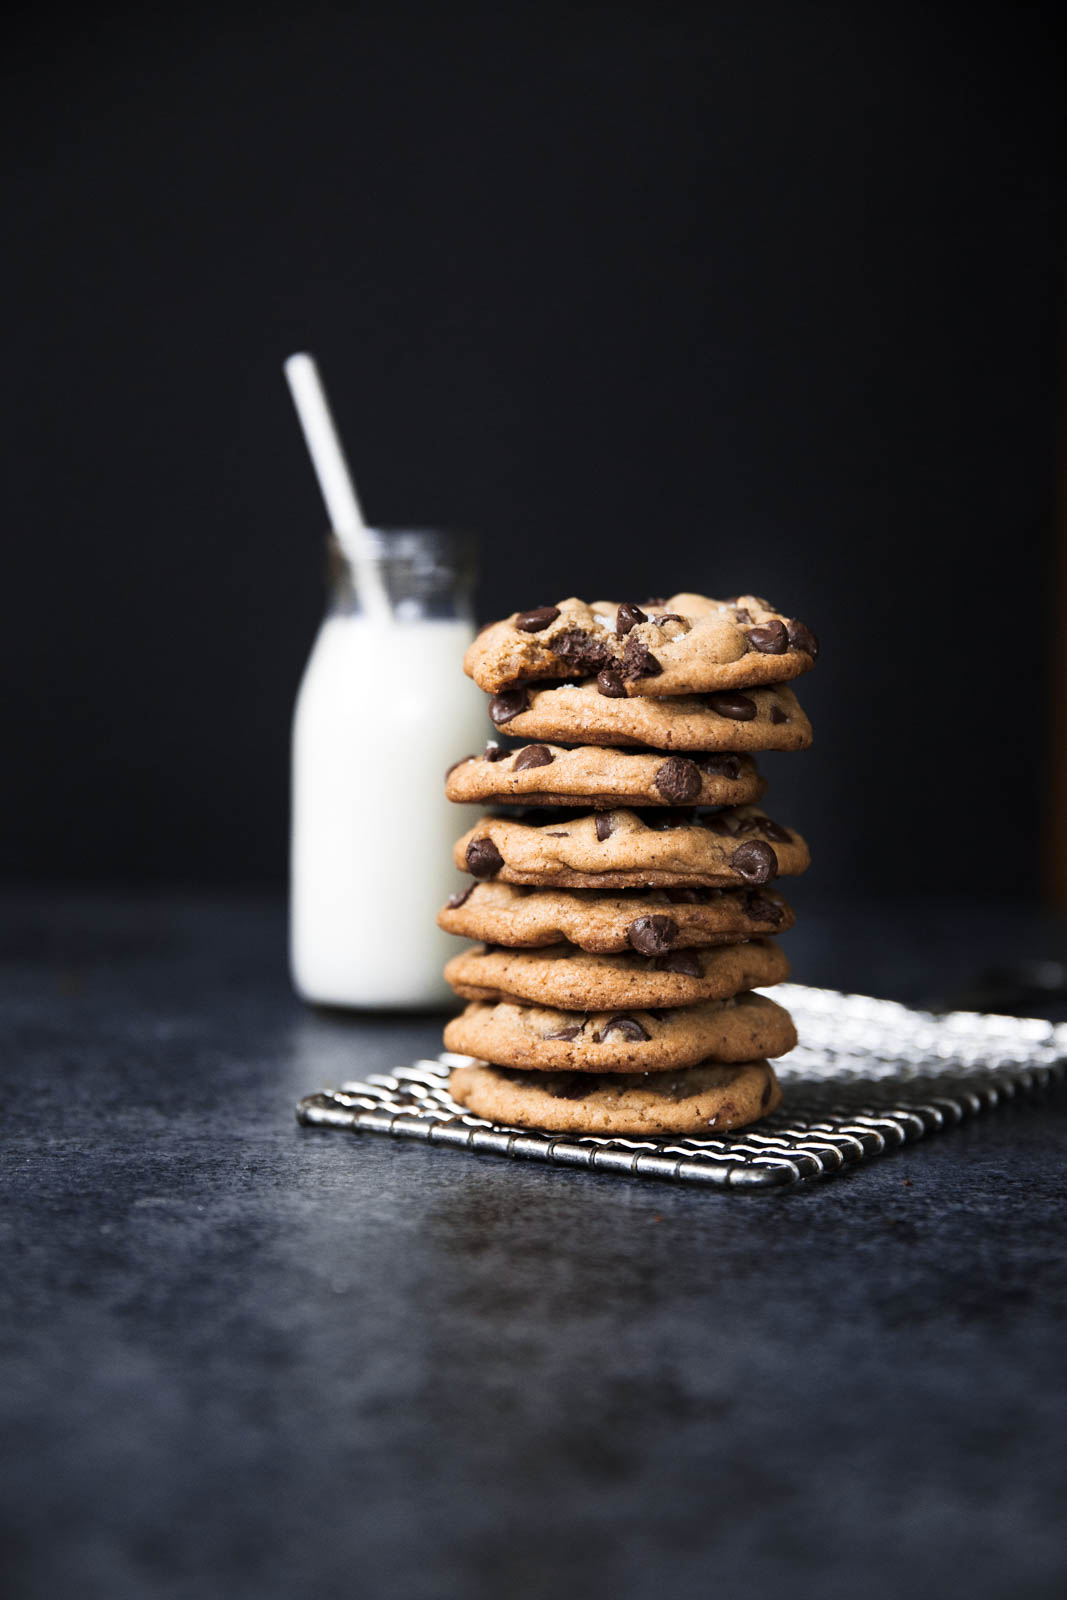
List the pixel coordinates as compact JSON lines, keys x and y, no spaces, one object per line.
{"x":638,"y":660}
{"x":461,"y":762}
{"x":763,"y":909}
{"x":771,"y":639}
{"x":774,"y":830}
{"x":741,"y":614}
{"x":802,"y":638}
{"x":460,"y":897}
{"x":483,"y":858}
{"x":652,"y":936}
{"x":582,"y":653}
{"x":550,"y":835}
{"x":628,"y":617}
{"x":575,"y":1086}
{"x":624,"y":1028}
{"x":533,"y":621}
{"x":511,"y":703}
{"x":571,"y":1032}
{"x":738,"y":707}
{"x":670,"y":616}
{"x":678,"y":781}
{"x":777,"y":714}
{"x":605,"y":825}
{"x":534,"y":755}
{"x":755,"y":861}
{"x":685,"y":962}
{"x":748,"y":825}
{"x":495,"y":752}
{"x":720,"y":766}
{"x":610,"y":683}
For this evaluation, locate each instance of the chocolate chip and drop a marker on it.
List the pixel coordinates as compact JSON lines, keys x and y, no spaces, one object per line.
{"x":670,"y":616}
{"x":628,"y":617}
{"x":684,"y":962}
{"x":461,"y":762}
{"x":582,"y":653}
{"x":605,"y":825}
{"x":460,"y":897}
{"x":495,"y":752}
{"x":748,"y":825}
{"x":770,"y":640}
{"x":755,"y":861}
{"x":777,"y":714}
{"x":678,"y":781}
{"x":736,"y":706}
{"x":563,"y":835}
{"x":721,"y":822}
{"x":534,"y":755}
{"x":512,"y":703}
{"x":638,"y":660}
{"x":774,"y":830}
{"x":534,"y":621}
{"x":720,"y":766}
{"x":483,"y":858}
{"x":652,"y":936}
{"x":762,"y":909}
{"x":625,"y":1027}
{"x":566,"y":1033}
{"x":654,"y":602}
{"x":802,"y":638}
{"x":575,"y":1087}
{"x":610,"y":683}
{"x":741,"y":615}
{"x":668,"y":817}
{"x":687,"y":897}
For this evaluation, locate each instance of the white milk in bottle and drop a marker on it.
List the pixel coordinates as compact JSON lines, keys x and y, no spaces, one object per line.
{"x":383,"y":710}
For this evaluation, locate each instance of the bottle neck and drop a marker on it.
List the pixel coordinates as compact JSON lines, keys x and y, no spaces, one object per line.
{"x":426,"y":574}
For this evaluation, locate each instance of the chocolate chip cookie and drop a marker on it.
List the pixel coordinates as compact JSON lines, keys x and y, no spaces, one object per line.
{"x":601,"y":777}
{"x":705,"y":1099}
{"x":576,"y":980}
{"x":633,"y":849}
{"x":544,"y":1039}
{"x":728,"y":719}
{"x":652,"y":921}
{"x":685,"y":645}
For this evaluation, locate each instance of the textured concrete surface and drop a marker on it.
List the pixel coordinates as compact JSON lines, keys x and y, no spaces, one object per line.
{"x":248,"y":1360}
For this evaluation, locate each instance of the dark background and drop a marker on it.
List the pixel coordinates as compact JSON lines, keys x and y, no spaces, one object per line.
{"x":720,"y":297}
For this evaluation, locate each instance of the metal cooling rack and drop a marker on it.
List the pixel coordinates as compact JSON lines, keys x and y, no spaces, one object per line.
{"x":870,"y":1075}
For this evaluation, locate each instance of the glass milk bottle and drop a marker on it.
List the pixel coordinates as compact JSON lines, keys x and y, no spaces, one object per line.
{"x":384,"y":708}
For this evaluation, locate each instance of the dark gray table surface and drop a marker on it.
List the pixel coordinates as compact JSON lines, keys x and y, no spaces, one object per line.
{"x":245,"y":1359}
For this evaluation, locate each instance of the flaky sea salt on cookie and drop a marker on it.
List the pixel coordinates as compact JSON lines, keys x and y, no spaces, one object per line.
{"x":631,"y":849}
{"x":685,"y":645}
{"x":703,"y":1099}
{"x":652,"y":921}
{"x":601,"y":777}
{"x":576,"y":980}
{"x":547,"y":1039}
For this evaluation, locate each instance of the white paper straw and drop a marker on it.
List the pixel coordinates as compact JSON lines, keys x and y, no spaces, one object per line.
{"x":335,"y":480}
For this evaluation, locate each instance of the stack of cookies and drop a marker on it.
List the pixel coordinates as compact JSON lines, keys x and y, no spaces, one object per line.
{"x":624,"y":908}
